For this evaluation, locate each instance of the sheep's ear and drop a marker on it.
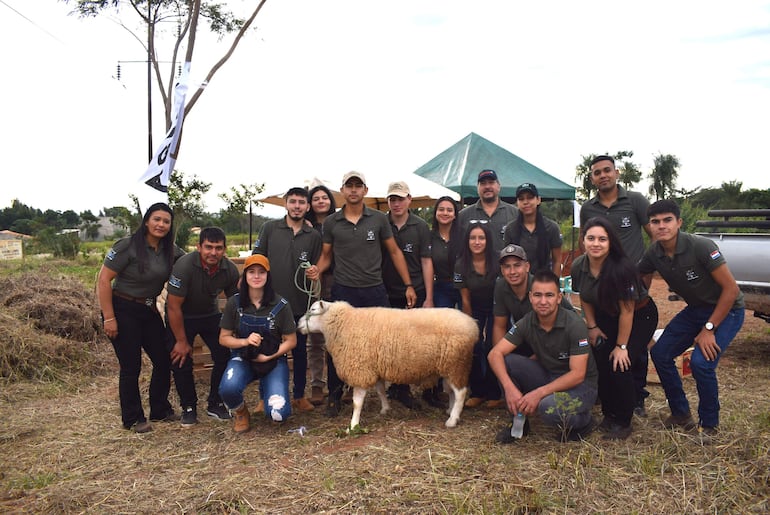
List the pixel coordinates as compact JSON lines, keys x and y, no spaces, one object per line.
{"x":321,"y":305}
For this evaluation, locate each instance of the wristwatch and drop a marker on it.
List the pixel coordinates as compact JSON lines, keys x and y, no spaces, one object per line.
{"x":709,"y":326}
{"x":622,"y":346}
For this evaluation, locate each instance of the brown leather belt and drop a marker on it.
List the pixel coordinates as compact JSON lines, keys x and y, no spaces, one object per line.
{"x":147,"y":301}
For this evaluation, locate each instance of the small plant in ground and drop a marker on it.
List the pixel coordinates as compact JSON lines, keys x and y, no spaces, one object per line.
{"x":566,"y":406}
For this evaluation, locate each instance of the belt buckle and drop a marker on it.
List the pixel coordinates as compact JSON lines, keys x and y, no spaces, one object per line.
{"x":149,"y":301}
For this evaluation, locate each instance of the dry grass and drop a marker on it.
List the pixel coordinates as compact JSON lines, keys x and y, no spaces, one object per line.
{"x":63,"y":450}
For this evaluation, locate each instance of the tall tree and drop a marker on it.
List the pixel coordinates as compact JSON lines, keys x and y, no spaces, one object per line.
{"x":186,"y":198}
{"x":663,"y":176}
{"x":153,"y":13}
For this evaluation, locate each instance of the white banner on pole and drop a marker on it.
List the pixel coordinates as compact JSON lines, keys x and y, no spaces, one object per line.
{"x":162,"y":164}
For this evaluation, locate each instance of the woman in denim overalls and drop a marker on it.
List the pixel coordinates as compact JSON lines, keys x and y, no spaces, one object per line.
{"x":256,"y":320}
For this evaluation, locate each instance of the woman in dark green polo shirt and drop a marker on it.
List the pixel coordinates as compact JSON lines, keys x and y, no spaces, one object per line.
{"x":139,"y":266}
{"x":621,"y":319}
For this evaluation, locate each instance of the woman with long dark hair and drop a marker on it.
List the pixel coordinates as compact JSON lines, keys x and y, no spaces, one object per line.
{"x":445,"y":248}
{"x":475,"y":273}
{"x":539,"y":236}
{"x":132,"y":276}
{"x":258,"y":325}
{"x":621,"y":319}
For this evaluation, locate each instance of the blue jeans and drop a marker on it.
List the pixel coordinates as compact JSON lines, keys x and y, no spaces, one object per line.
{"x":678,"y":337}
{"x":482,"y":380}
{"x":445,"y":295}
{"x":274,"y":387}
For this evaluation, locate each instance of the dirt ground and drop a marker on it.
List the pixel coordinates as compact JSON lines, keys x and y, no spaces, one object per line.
{"x":65,"y":452}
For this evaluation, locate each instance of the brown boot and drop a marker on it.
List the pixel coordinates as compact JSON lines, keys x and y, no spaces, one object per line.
{"x":241,"y":419}
{"x":302,"y":404}
{"x":260,"y":407}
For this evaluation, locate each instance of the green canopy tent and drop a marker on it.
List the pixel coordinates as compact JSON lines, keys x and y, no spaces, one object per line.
{"x":458,"y":167}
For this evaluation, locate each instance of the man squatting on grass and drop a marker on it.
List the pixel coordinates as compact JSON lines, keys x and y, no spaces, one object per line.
{"x":695,"y":269}
{"x":564,"y":364}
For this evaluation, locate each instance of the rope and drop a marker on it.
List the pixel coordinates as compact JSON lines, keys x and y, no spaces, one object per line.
{"x":310,"y":287}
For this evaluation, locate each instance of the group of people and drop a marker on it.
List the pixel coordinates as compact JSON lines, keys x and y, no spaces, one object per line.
{"x":499,"y":263}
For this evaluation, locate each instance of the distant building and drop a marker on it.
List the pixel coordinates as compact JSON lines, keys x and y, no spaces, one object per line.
{"x":107,"y":230}
{"x":10,"y":235}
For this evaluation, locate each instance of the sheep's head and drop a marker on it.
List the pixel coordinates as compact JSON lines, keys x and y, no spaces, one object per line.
{"x":311,"y":322}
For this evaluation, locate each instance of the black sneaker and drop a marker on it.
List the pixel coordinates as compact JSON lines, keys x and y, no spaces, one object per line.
{"x":639,"y":410}
{"x":685,"y":422}
{"x":169,"y":416}
{"x":618,"y":432}
{"x":504,"y":435}
{"x":430,"y":396}
{"x":606,"y":424}
{"x":403,"y":394}
{"x":332,"y":408}
{"x":189,"y":416}
{"x":219,"y":412}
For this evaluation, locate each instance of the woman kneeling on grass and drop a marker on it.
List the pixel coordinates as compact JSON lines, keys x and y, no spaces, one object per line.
{"x":259,"y":326}
{"x":621,"y":319}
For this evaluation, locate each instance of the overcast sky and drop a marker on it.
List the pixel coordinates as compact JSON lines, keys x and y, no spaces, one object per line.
{"x":321,"y":88}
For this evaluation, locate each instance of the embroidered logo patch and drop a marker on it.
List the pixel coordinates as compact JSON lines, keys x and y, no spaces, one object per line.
{"x":512,"y":330}
{"x":715,"y":255}
{"x":175,"y":281}
{"x":111,"y":254}
{"x":370,"y":235}
{"x":408,"y":248}
{"x":583,"y":342}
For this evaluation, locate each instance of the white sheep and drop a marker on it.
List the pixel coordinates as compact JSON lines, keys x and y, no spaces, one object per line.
{"x":414,"y":346}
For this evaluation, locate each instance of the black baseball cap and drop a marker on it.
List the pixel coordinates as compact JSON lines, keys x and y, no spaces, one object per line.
{"x":527,"y":186}
{"x":486,"y":175}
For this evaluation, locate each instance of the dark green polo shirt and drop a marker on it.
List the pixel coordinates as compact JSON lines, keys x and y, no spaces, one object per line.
{"x":507,"y":304}
{"x":414,"y":241}
{"x":528,"y":242}
{"x":588,"y":285}
{"x":284,"y":321}
{"x":199,"y":289}
{"x":122,"y":260}
{"x":286,"y":252}
{"x":357,"y":248}
{"x":502,"y":216}
{"x":688,"y":273}
{"x":482,"y":288}
{"x":628,"y":216}
{"x":568,"y":337}
{"x":443,"y":266}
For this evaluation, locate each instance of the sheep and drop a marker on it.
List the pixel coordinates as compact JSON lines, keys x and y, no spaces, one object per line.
{"x":415,"y":346}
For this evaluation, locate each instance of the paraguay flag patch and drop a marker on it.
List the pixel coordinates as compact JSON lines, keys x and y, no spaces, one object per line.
{"x":715,"y":255}
{"x":583,"y":342}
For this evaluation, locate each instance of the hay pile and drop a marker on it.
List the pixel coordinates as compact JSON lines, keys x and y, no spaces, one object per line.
{"x":50,"y":328}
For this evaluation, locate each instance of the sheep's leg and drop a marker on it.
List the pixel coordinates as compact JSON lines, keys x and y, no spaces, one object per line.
{"x":457,"y":407}
{"x":450,"y":392}
{"x":380,"y":387}
{"x":359,"y":394}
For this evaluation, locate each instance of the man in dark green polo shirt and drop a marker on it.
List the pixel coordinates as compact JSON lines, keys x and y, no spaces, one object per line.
{"x":627,"y":211}
{"x":561,"y":383}
{"x":489,"y":208}
{"x":695,"y":269}
{"x":355,"y":237}
{"x":291,"y":245}
{"x":413,"y":238}
{"x":192,"y":308}
{"x":512,"y":293}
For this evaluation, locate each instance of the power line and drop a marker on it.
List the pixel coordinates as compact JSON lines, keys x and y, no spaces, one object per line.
{"x":30,"y":21}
